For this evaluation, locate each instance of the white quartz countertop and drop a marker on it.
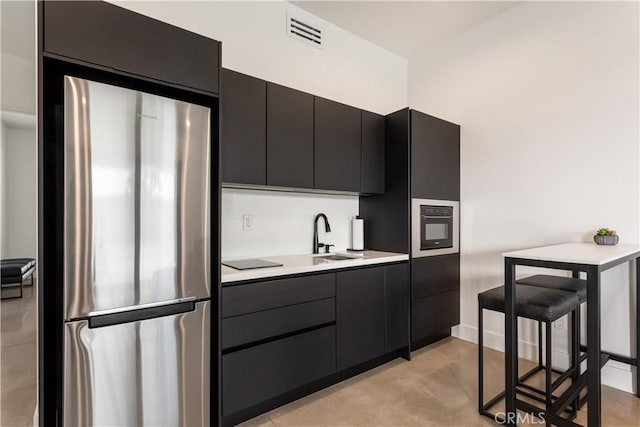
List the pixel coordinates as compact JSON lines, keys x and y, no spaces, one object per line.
{"x":296,"y":264}
{"x":577,"y":253}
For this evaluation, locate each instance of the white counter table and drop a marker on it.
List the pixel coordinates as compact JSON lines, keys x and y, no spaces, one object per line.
{"x":592,"y":260}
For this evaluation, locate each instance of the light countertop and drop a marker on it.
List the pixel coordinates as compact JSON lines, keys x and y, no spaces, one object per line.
{"x":296,"y":264}
{"x":577,"y":253}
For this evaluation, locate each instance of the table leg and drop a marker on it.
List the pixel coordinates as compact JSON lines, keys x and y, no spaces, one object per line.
{"x":511,"y":342}
{"x":638,"y":327}
{"x":593,"y":348}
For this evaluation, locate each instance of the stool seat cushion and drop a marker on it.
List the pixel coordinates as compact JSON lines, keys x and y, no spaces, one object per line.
{"x":14,"y":269}
{"x":570,"y":284}
{"x":532,"y":302}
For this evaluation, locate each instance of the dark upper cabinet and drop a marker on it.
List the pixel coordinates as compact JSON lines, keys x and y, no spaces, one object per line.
{"x":337,"y":146}
{"x":435,"y":274}
{"x":373,"y":171}
{"x":397,"y":306}
{"x":289,"y":137}
{"x":435,"y":158}
{"x":243,"y":127}
{"x":101,"y":33}
{"x":387,"y":215}
{"x":360,"y":316}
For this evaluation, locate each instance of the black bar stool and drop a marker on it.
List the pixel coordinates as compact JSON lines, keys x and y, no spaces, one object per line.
{"x":543,"y":305}
{"x":569,"y":284}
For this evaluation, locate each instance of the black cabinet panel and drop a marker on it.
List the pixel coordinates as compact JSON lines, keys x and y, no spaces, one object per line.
{"x":337,"y":146}
{"x":243,"y":127}
{"x":289,"y":137}
{"x":259,"y":373}
{"x":372,"y":153}
{"x":104,"y":34}
{"x":360,"y":316}
{"x":435,"y":314}
{"x":435,"y":274}
{"x":435,"y":158}
{"x":397,"y":306}
{"x":242,"y":299}
{"x":387,"y":215}
{"x":248,"y":328}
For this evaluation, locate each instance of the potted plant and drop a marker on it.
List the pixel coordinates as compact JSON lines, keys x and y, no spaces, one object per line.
{"x":604,"y":236}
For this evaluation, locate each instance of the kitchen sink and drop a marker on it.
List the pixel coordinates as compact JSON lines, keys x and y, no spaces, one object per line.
{"x":336,"y":257}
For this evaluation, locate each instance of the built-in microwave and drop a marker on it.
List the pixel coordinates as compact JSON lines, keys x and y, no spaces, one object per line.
{"x":435,"y":227}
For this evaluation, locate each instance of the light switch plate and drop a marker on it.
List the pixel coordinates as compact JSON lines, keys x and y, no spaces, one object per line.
{"x":247,"y":222}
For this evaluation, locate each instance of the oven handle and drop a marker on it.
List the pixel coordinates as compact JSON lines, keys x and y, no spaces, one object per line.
{"x":436,"y":217}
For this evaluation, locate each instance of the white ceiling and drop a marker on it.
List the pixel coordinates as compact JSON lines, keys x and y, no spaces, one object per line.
{"x":401,"y":27}
{"x":18,"y":28}
{"x":406,"y":27}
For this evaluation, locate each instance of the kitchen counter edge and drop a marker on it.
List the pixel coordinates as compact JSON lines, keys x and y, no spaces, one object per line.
{"x":295,"y":264}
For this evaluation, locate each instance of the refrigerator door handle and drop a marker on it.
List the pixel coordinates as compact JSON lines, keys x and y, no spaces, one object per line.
{"x":103,"y":318}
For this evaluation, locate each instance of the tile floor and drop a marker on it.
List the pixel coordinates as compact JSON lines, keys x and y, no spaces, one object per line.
{"x":437,"y":388}
{"x":18,"y":358}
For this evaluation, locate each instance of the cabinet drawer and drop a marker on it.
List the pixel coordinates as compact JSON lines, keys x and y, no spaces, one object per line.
{"x":253,"y":327}
{"x":259,"y":373}
{"x":243,"y":299}
{"x":435,"y":274}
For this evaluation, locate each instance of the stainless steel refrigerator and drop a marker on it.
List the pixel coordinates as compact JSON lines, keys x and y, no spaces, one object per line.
{"x":137,"y":282}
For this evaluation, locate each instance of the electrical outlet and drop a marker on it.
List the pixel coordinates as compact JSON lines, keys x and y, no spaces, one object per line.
{"x":561,"y":323}
{"x":247,"y":222}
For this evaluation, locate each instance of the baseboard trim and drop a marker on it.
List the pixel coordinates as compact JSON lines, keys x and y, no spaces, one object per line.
{"x":614,"y":374}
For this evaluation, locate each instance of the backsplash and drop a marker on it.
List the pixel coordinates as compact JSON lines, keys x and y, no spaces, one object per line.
{"x":282,"y":222}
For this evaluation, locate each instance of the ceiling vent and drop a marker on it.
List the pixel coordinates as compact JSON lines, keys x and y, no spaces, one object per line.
{"x":304,"y":31}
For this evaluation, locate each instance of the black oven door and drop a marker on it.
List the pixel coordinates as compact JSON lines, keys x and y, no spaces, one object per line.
{"x":436,"y":227}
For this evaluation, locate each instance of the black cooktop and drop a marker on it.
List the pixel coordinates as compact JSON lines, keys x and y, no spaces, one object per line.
{"x":248,"y":264}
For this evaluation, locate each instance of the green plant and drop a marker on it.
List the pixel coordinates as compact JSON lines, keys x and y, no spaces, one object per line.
{"x":605,"y":232}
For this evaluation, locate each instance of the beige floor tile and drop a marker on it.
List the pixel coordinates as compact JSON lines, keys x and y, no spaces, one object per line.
{"x":18,"y":359}
{"x":437,"y":388}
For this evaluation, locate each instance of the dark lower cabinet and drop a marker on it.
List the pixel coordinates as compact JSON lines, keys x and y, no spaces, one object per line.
{"x":110,"y":36}
{"x":360,"y":315}
{"x":435,"y":314}
{"x":337,"y":146}
{"x":397,"y":306}
{"x":373,"y":169}
{"x":435,"y":274}
{"x":265,"y":371}
{"x":284,"y":338}
{"x":435,"y":303}
{"x":243,"y":129}
{"x":289,"y":137}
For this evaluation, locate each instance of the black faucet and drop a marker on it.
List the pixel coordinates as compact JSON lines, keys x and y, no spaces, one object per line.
{"x":327,"y":228}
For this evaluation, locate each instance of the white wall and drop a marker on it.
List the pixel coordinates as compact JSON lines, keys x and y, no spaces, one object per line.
{"x":547,"y":96}
{"x":3,"y":181}
{"x":18,"y":84}
{"x":348,"y":69}
{"x":283,"y":222}
{"x":19,"y":196}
